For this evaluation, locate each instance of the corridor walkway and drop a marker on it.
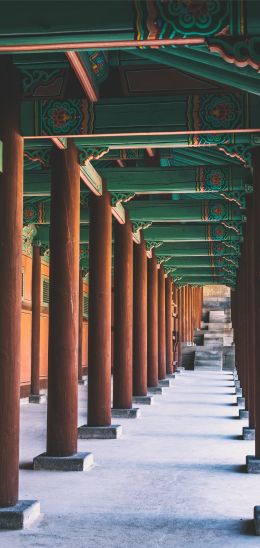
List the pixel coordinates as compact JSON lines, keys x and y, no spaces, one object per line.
{"x":174,"y":479}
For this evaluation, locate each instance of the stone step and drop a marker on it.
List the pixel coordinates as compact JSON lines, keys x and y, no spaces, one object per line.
{"x":208,"y":360}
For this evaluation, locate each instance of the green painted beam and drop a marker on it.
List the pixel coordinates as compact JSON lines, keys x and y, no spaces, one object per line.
{"x":43,"y":234}
{"x":200,"y":249}
{"x":39,"y":212}
{"x":202,"y":262}
{"x":174,"y":211}
{"x":131,"y":118}
{"x":181,"y":180}
{"x":193,"y":233}
{"x":203,"y":64}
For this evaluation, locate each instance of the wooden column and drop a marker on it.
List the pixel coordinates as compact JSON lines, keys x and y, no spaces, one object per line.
{"x":123,"y":316}
{"x":64,"y":302}
{"x":256,"y":175}
{"x":80,"y":335}
{"x":99,"y":328}
{"x":152,"y":322}
{"x":169,"y":330}
{"x":251,"y":310}
{"x":161,"y":325}
{"x":36,"y":321}
{"x":140,"y":320}
{"x":11,"y":208}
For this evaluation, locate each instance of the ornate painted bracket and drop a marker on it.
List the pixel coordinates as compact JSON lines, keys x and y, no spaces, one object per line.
{"x":137,"y":227}
{"x":86,"y":154}
{"x":238,"y":198}
{"x":163,"y":259}
{"x":119,"y":198}
{"x":28,"y":234}
{"x":241,"y":53}
{"x":241,"y":152}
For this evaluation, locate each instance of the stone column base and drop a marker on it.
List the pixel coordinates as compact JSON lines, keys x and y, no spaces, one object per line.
{"x":20,"y":516}
{"x":82,"y":382}
{"x":133,"y":413}
{"x":143,"y":400}
{"x":239,"y":392}
{"x":37,"y":398}
{"x":165,"y":383}
{"x":243,"y":414}
{"x":237,"y":384}
{"x":156,"y":390}
{"x":171,"y":376}
{"x":248,"y":433}
{"x":257,"y":520}
{"x":110,"y":432}
{"x":79,"y":462}
{"x":252,"y":464}
{"x":241,"y":402}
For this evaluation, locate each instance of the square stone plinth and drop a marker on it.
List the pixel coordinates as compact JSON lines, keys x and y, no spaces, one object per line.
{"x":257,"y":519}
{"x":82,"y":382}
{"x":79,"y":462}
{"x":133,"y":413}
{"x":239,"y":392}
{"x":20,"y":516}
{"x":243,"y":414}
{"x":37,"y":398}
{"x":171,"y":376}
{"x":248,"y":433}
{"x":252,"y":464}
{"x":156,"y":390}
{"x":241,"y":402}
{"x":165,"y":383}
{"x":111,"y":432}
{"x":143,"y":400}
{"x":237,"y":384}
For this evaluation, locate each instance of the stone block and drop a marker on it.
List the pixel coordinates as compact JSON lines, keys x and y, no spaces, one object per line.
{"x":20,"y":516}
{"x":143,"y":400}
{"x":37,"y":398}
{"x":83,"y":382}
{"x":241,"y":402}
{"x":252,"y":464}
{"x":79,"y":462}
{"x":239,"y":392}
{"x":111,"y":432}
{"x":133,"y":413}
{"x":171,"y":376}
{"x":165,"y":383}
{"x":155,"y":390}
{"x":237,"y":384}
{"x":248,"y":433}
{"x":257,"y":520}
{"x":243,"y":414}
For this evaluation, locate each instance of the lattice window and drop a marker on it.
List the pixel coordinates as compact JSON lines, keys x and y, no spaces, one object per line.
{"x":85,"y":306}
{"x":45,"y":291}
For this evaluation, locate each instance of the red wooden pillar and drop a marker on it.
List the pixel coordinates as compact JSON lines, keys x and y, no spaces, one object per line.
{"x":256,"y":172}
{"x":99,"y":328}
{"x":11,"y":208}
{"x":36,"y":320}
{"x":140,"y":320}
{"x":161,"y":325}
{"x":80,"y":335}
{"x":251,"y":306}
{"x":64,"y":302}
{"x":123,"y":316}
{"x":152,"y":322}
{"x":169,"y":331}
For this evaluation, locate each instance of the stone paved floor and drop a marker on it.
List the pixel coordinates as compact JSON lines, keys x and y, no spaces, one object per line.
{"x":175,"y":478}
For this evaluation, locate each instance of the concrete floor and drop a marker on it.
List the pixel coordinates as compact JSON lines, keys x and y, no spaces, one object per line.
{"x":175,"y":478}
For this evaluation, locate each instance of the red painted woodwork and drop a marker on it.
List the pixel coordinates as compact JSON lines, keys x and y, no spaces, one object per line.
{"x":123,"y":316}
{"x":140,"y":320}
{"x":11,"y":207}
{"x":80,"y":335}
{"x":36,"y":320}
{"x":152,"y":321}
{"x":64,"y":302}
{"x":168,"y":319}
{"x":161,"y":325}
{"x":99,"y":334}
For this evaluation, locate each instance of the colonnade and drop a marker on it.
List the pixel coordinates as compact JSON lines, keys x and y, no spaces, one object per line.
{"x":144,"y":311}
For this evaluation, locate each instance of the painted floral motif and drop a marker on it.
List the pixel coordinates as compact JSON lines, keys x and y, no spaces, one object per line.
{"x":182,"y":18}
{"x":64,"y":117}
{"x":213,"y":179}
{"x":99,"y":64}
